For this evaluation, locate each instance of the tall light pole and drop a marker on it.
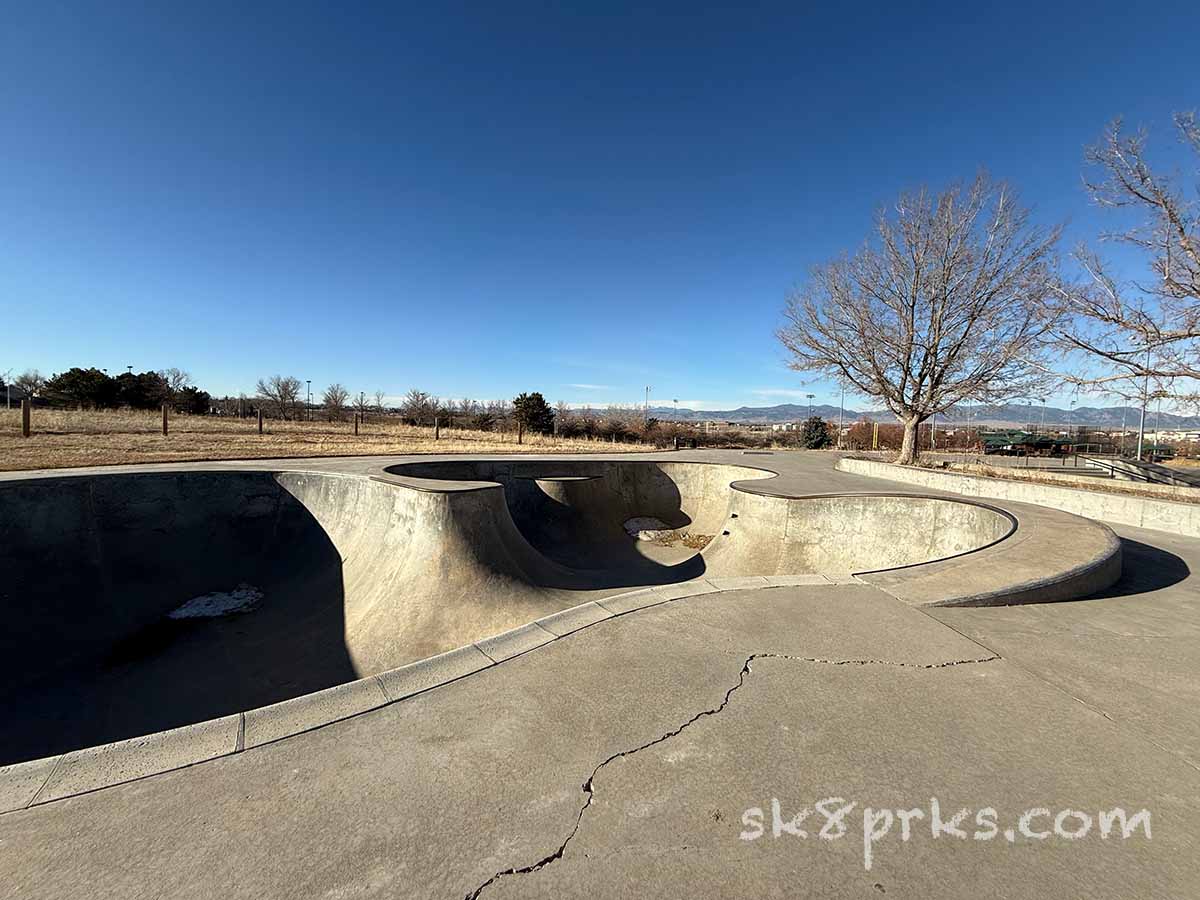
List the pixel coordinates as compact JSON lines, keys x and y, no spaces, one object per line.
{"x":1043,"y":428}
{"x":308,"y":403}
{"x":676,"y":402}
{"x":810,"y":399}
{"x":646,"y":409}
{"x":1158,"y":419}
{"x":841,"y":416}
{"x":1145,"y":402}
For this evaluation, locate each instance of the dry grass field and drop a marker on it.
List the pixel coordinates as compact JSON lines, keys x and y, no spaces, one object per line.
{"x":63,"y":439}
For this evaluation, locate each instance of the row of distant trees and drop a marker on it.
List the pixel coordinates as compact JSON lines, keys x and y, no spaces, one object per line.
{"x":281,"y":396}
{"x":93,"y":388}
{"x":959,"y":297}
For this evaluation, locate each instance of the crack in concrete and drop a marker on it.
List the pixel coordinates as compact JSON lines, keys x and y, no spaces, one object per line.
{"x":589,"y":785}
{"x":878,"y":662}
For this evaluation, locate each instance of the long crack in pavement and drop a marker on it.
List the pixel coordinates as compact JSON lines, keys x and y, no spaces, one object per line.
{"x":589,"y":785}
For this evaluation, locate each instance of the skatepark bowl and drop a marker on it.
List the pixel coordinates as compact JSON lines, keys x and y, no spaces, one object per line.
{"x":136,"y":603}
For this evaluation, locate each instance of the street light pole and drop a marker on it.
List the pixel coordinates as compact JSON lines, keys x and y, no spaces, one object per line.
{"x":810,"y":399}
{"x":308,"y":403}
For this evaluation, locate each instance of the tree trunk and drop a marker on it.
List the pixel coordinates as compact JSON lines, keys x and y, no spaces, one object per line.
{"x":910,"y":453}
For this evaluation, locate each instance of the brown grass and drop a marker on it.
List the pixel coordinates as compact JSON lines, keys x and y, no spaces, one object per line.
{"x":63,"y":439}
{"x":1184,"y":462}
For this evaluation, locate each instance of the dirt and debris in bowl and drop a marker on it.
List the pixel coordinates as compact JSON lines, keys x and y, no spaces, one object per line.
{"x":656,"y":531}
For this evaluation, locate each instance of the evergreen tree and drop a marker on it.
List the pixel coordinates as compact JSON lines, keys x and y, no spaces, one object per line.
{"x":532,"y":411}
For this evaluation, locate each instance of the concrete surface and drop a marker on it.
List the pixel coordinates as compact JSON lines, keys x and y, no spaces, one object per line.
{"x":1121,"y":509}
{"x":619,"y":760}
{"x":360,"y":574}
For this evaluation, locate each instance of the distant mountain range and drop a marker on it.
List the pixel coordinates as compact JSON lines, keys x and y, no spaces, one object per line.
{"x":1010,"y":415}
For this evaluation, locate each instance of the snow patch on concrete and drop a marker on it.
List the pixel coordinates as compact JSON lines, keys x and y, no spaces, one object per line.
{"x":242,"y":598}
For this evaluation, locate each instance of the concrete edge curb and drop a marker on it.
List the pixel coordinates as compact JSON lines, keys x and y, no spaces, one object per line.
{"x":1083,"y":580}
{"x":39,"y":781}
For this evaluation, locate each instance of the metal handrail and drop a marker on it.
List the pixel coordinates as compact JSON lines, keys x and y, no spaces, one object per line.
{"x":1135,"y":472}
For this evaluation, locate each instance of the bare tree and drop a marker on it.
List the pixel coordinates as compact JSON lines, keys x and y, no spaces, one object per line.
{"x":1138,"y":332}
{"x":30,"y":383}
{"x":175,"y":380}
{"x":946,"y":305}
{"x":281,"y":392}
{"x":380,"y":399}
{"x":334,"y":400}
{"x":418,"y":407}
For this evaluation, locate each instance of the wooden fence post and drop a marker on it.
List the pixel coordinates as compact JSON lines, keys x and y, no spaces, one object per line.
{"x":520,"y":431}
{"x":260,"y":420}
{"x":25,"y":407}
{"x":164,"y":420}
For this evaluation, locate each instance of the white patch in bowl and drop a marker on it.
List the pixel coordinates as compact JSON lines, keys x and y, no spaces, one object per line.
{"x":242,"y":598}
{"x":647,"y":528}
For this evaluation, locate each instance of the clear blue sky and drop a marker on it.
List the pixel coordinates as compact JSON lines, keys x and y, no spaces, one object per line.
{"x":481,"y":199}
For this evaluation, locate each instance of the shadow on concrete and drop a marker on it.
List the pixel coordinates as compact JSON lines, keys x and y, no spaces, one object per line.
{"x":89,"y":654}
{"x":573,"y":512}
{"x":1144,"y":569}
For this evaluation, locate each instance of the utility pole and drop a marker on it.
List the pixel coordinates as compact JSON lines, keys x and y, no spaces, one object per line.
{"x":646,"y":408}
{"x":308,"y":404}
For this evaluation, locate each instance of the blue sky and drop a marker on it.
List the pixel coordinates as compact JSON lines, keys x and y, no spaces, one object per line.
{"x":481,"y":199}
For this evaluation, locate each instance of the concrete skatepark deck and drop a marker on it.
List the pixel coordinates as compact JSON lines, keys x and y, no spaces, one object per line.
{"x":788,"y":588}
